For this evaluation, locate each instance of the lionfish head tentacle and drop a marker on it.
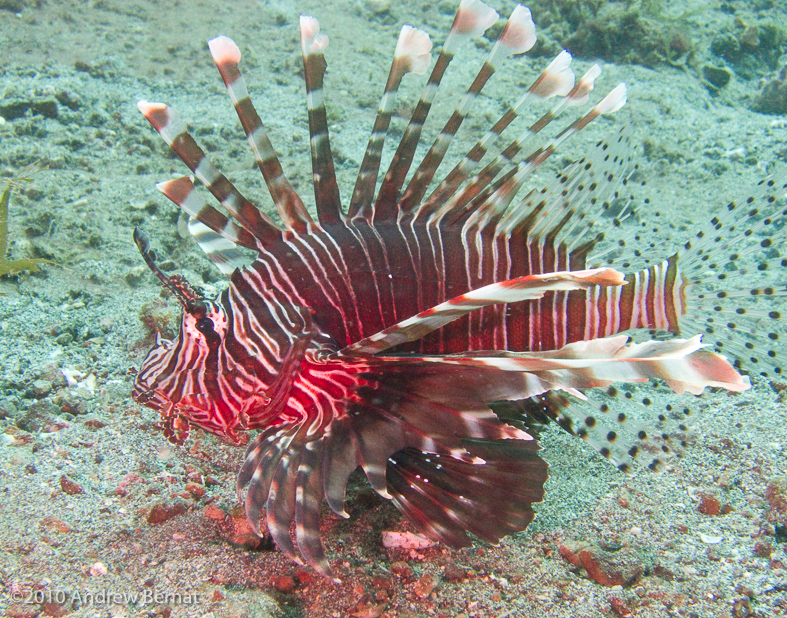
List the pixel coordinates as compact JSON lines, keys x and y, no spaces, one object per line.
{"x":176,"y":284}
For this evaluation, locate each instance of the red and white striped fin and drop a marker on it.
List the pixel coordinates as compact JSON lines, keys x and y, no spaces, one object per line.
{"x":173,"y":130}
{"x":518,"y":37}
{"x":494,"y":207}
{"x":290,"y":466}
{"x":412,"y":54}
{"x":552,"y":82}
{"x":472,"y":18}
{"x":680,"y":363}
{"x":514,"y":290}
{"x":224,"y":253}
{"x":326,"y":191}
{"x":445,"y":498}
{"x":183,"y":193}
{"x":227,"y":56}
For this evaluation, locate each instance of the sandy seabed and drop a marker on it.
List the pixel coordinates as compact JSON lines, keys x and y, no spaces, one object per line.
{"x":100,"y":516}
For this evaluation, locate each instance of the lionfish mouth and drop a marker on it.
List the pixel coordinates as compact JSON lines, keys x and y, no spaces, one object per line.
{"x":151,"y":398}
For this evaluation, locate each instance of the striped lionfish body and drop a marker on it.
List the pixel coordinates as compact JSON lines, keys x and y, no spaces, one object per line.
{"x":378,"y":335}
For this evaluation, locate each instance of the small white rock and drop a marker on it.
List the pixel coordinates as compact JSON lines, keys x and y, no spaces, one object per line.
{"x":406,"y":540}
{"x":711,"y":539}
{"x":98,"y":569}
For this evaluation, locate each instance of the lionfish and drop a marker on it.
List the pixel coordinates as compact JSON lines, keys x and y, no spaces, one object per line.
{"x":423,"y":338}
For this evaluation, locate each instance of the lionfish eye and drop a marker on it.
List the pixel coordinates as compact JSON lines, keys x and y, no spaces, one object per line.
{"x":212,"y":338}
{"x":198,"y":309}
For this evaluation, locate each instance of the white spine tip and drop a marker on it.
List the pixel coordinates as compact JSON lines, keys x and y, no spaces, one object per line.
{"x":561,"y":62}
{"x":147,"y":108}
{"x":312,"y":40}
{"x":520,"y":32}
{"x":223,"y":49}
{"x":557,"y":79}
{"x":473,"y":18}
{"x":587,"y":82}
{"x":413,"y":48}
{"x":613,"y":101}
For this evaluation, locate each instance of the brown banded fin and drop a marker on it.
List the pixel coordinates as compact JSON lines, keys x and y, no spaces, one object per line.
{"x":326,"y":191}
{"x":412,"y":54}
{"x":555,"y":80}
{"x":518,"y":36}
{"x":224,"y":253}
{"x":226,"y":55}
{"x":182,"y":192}
{"x":472,"y":18}
{"x":173,"y":130}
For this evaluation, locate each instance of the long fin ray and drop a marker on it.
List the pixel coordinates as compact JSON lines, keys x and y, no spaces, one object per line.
{"x":472,"y":18}
{"x":226,"y":55}
{"x":515,"y":290}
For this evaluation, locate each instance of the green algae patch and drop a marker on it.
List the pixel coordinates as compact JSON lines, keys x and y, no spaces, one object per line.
{"x":12,"y":266}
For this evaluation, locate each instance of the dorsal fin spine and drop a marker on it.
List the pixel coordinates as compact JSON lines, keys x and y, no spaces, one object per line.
{"x":227,"y":56}
{"x":326,"y":190}
{"x":472,"y":18}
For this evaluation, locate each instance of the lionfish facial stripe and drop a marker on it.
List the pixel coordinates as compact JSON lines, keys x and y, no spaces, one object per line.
{"x":252,"y":333}
{"x":256,"y":345}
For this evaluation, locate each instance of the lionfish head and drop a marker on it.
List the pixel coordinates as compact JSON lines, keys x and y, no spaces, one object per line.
{"x":179,"y":377}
